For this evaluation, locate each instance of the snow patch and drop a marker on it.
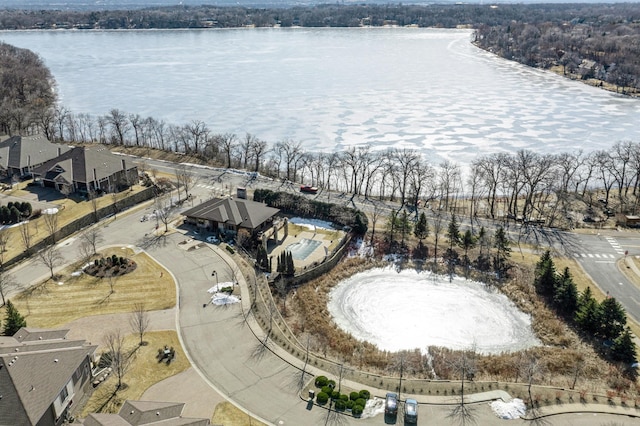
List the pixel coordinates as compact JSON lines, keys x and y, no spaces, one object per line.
{"x":76,"y":273}
{"x":50,"y":210}
{"x":224,"y":299}
{"x":373,"y":407}
{"x":511,"y":410}
{"x":312,"y":224}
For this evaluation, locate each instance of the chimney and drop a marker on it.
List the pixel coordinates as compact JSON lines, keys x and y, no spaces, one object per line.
{"x":124,"y":166}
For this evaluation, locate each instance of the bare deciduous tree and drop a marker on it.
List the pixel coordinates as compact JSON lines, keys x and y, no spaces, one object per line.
{"x":51,"y":223}
{"x":118,"y":354}
{"x":93,"y":237}
{"x":7,"y":284}
{"x":51,"y":258}
{"x":26,"y":235}
{"x":139,"y":320}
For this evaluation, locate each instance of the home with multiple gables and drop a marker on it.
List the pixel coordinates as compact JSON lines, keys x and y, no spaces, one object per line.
{"x":42,"y":373}
{"x":19,"y":155}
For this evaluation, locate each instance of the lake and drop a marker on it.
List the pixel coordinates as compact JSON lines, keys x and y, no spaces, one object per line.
{"x":331,"y":88}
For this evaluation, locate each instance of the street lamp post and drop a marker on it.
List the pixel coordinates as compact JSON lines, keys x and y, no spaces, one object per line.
{"x":214,"y":274}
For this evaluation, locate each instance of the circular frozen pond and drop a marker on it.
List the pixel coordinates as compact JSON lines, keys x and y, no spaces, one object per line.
{"x":407,"y":310}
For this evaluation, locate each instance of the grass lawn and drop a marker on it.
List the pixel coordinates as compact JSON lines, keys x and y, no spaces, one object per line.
{"x":51,"y":304}
{"x":228,"y":414}
{"x":144,"y":371}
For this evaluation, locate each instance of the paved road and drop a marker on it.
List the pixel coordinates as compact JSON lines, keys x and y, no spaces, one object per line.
{"x":223,"y":347}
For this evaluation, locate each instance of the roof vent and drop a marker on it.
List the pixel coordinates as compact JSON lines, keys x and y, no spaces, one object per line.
{"x":157,"y":413}
{"x":55,"y":360}
{"x":40,"y":338}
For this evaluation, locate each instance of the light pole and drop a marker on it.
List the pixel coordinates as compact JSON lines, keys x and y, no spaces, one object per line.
{"x":216,"y":275}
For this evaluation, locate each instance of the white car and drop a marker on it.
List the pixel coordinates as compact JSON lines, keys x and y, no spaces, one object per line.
{"x":213,"y":239}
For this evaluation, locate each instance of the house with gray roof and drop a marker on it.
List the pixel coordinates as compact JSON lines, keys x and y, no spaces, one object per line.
{"x":87,"y":169}
{"x":19,"y":155}
{"x":42,"y":373}
{"x":138,"y":413}
{"x":229,"y":215}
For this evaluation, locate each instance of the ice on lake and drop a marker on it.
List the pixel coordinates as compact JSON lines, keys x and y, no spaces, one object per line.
{"x":408,"y":310}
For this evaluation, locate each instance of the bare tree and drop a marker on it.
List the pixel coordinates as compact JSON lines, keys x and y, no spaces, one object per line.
{"x":119,"y":125}
{"x":257,"y":151}
{"x":85,"y":251}
{"x":93,"y":237}
{"x":51,"y":223}
{"x":4,"y":239}
{"x":228,"y":144}
{"x":51,"y":258}
{"x":281,"y":289}
{"x":438,"y":226}
{"x":139,"y":320}
{"x":7,"y":284}
{"x":185,"y":178}
{"x":117,"y":353}
{"x":164,"y":209}
{"x":465,"y":366}
{"x":26,"y":235}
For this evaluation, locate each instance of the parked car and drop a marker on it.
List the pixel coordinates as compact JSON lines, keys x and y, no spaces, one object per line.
{"x":391,"y":404}
{"x":411,"y":411}
{"x":308,"y":189}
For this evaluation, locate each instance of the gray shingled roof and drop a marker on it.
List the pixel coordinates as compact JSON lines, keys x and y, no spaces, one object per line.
{"x":78,"y":164}
{"x":235,"y":211}
{"x":137,"y":413}
{"x":39,"y":369}
{"x":23,"y":151}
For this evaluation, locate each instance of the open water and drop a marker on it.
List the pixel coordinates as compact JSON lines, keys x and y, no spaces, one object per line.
{"x":424,"y":89}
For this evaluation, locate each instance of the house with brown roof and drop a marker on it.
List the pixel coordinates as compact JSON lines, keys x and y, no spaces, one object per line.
{"x":41,"y":374}
{"x":229,"y":215}
{"x":87,"y":169}
{"x":138,"y":413}
{"x":19,"y":155}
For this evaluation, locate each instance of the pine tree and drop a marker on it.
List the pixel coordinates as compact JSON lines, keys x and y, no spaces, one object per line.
{"x":421,"y":230}
{"x":623,"y":348}
{"x":588,"y":314}
{"x":500,"y":259}
{"x":545,"y":275}
{"x":13,"y":321}
{"x":565,"y":297}
{"x":453,"y":232}
{"x":612,"y":318}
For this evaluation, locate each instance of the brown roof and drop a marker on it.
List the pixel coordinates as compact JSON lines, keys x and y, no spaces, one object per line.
{"x":235,"y":211}
{"x":137,"y":413}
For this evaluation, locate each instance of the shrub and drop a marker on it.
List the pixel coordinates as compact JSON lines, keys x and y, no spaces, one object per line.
{"x":357,"y":410}
{"x":332,"y":383}
{"x":361,"y":402}
{"x":321,"y":381}
{"x":230,"y":249}
{"x":327,"y":389}
{"x":340,"y":405}
{"x":365,"y":394}
{"x":322,"y":397}
{"x":354,"y":395}
{"x":335,"y":395}
{"x":350,"y":404}
{"x":344,"y":397}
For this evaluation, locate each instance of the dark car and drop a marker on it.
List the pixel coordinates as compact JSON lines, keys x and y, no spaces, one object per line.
{"x":391,"y":404}
{"x":411,"y":411}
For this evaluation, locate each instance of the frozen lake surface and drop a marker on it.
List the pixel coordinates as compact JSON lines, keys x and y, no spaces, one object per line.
{"x":408,"y":310}
{"x":334,"y":88}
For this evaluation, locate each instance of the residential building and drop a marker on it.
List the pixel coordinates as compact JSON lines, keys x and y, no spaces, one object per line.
{"x":42,"y":373}
{"x":87,"y":169}
{"x":229,"y":215}
{"x":19,"y":155}
{"x":137,"y":413}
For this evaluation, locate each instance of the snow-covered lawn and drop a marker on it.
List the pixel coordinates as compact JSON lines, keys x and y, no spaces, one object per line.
{"x":407,"y":310}
{"x":221,"y":298}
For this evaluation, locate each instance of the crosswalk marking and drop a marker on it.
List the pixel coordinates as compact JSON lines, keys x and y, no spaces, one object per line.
{"x":595,"y":255}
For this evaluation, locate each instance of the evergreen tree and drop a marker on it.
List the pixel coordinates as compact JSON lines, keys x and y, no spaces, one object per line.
{"x":360,"y":223}
{"x":453,"y":232}
{"x":501,"y":264}
{"x":13,"y":321}
{"x":421,"y":230}
{"x":545,"y":275}
{"x":623,"y":348}
{"x":483,"y":240}
{"x":290,"y":266}
{"x":14,"y":214}
{"x":565,"y":297}
{"x":588,"y":314}
{"x":393,"y":224}
{"x":612,"y":318}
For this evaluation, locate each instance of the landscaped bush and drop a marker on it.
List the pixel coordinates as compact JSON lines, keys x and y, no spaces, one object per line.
{"x":354,"y":395}
{"x":350,"y":404}
{"x":335,"y":394}
{"x":327,"y":389}
{"x":230,"y":249}
{"x":361,"y":402}
{"x":357,"y":410}
{"x":365,"y":394}
{"x":332,"y":383}
{"x":321,"y":381}
{"x":110,"y":267}
{"x":322,"y":398}
{"x":344,"y":397}
{"x":340,"y":405}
